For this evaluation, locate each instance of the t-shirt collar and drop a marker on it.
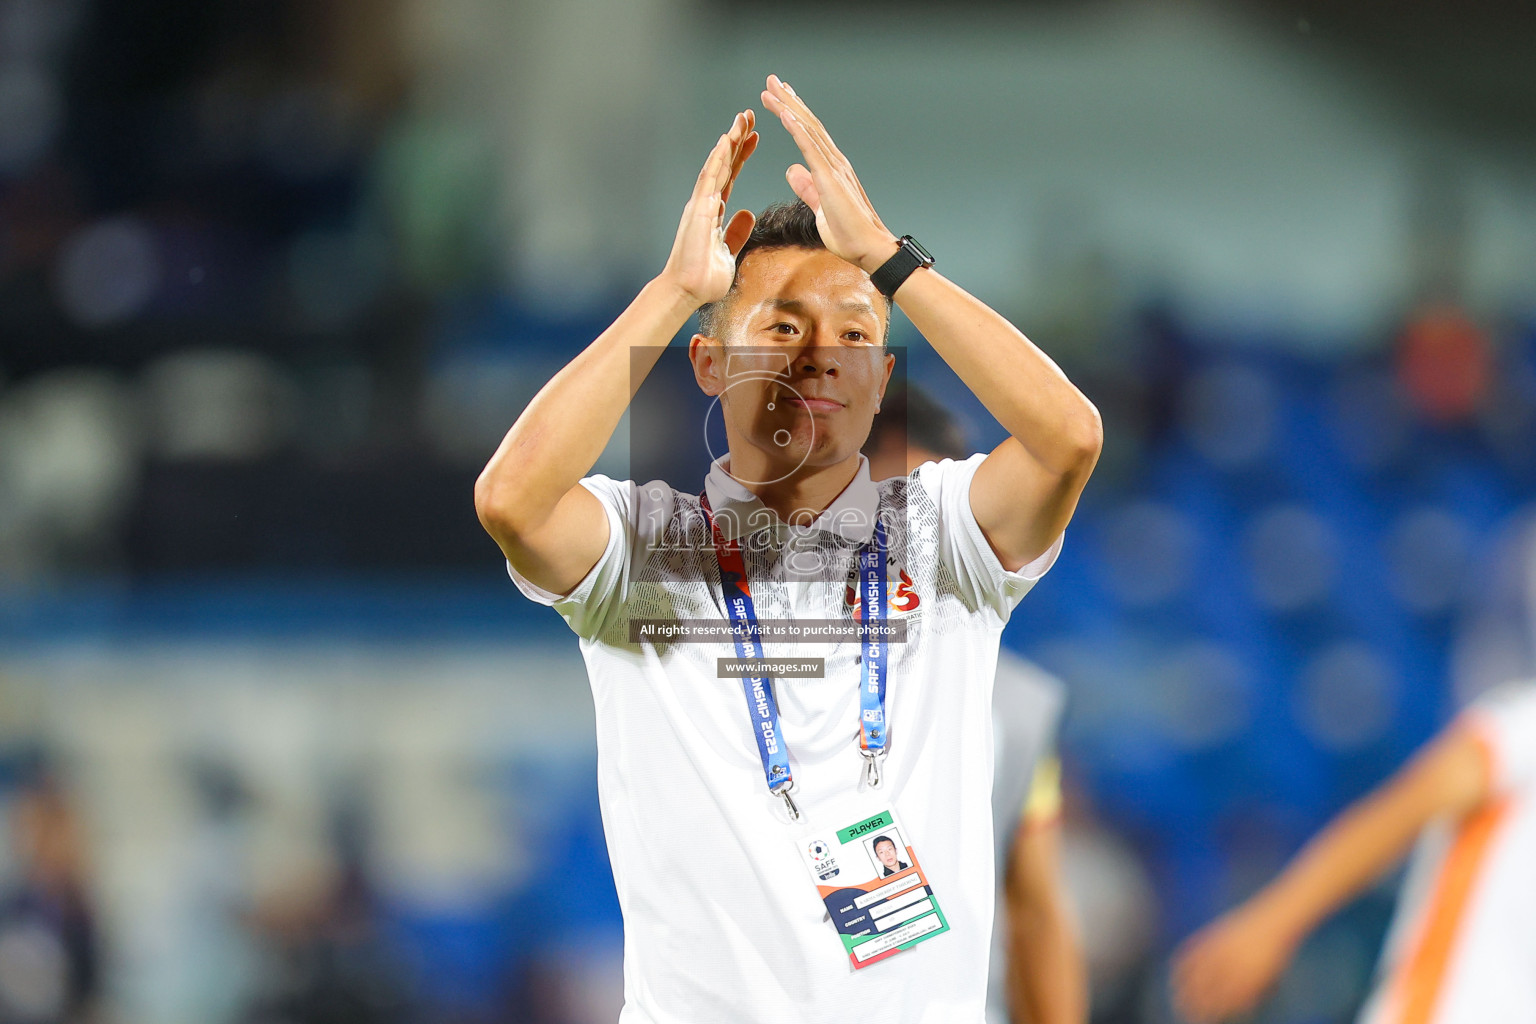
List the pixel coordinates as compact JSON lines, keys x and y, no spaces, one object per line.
{"x":740,"y":513}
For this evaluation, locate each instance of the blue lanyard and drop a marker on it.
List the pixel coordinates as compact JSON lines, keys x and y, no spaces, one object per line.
{"x":873,"y":659}
{"x":762,"y":708}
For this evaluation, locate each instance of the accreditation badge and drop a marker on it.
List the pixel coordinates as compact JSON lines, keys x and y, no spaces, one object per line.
{"x":873,"y":886}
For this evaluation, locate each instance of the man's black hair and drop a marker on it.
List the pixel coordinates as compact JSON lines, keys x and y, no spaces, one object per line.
{"x":790,"y":225}
{"x":884,"y":839}
{"x":914,"y":419}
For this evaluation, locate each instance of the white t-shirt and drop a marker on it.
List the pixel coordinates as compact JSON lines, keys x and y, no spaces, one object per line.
{"x":1462,"y":948}
{"x":722,"y":921}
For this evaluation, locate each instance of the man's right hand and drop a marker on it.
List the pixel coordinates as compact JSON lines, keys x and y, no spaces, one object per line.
{"x":529,"y":497}
{"x":702,"y":265}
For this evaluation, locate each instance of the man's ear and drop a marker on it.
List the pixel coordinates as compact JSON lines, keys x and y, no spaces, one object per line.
{"x":885,"y":381}
{"x":708,"y":357}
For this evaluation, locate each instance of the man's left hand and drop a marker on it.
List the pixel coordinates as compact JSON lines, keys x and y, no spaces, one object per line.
{"x":846,"y":218}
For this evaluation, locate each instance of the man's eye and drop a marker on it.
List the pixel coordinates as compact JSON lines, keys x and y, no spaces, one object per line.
{"x":856,"y":335}
{"x":783,"y":328}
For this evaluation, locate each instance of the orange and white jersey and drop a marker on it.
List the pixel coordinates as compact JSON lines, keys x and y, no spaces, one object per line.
{"x":1462,"y":949}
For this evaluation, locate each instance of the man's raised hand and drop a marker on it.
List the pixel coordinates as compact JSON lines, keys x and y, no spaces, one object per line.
{"x":703,"y":260}
{"x":846,"y":218}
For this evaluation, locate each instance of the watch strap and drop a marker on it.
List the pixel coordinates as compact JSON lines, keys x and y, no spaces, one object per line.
{"x":893,"y":273}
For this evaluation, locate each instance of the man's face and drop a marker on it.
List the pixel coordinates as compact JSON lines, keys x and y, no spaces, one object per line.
{"x":886,"y":851}
{"x":801,"y":367}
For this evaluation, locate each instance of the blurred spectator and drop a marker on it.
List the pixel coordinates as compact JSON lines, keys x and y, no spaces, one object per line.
{"x":325,"y":959}
{"x":1444,"y":362}
{"x":50,"y":965}
{"x":1444,"y":357}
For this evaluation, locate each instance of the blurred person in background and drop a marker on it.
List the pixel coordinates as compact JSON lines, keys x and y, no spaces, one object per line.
{"x":325,"y":958}
{"x":1038,"y":973}
{"x":721,"y":921}
{"x":1462,"y":948}
{"x":50,"y":964}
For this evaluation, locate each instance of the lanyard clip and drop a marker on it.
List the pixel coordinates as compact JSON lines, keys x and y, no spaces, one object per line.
{"x":789,"y":801}
{"x":872,"y":762}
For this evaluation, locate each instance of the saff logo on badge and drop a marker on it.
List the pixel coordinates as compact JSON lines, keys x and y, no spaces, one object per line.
{"x":822,"y":862}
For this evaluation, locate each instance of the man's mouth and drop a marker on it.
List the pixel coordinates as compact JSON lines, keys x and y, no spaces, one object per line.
{"x":811,"y":404}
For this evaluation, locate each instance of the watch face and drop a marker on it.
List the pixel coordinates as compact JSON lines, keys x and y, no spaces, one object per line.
{"x":924,"y":254}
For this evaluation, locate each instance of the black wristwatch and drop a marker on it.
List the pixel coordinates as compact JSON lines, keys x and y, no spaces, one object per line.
{"x":894,"y":272}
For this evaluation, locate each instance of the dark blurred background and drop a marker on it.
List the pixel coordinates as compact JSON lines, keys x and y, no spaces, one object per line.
{"x":278,"y":740}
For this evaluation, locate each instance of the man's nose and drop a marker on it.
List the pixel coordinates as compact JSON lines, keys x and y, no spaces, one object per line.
{"x":818,"y":359}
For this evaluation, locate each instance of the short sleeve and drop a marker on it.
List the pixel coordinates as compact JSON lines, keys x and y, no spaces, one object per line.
{"x":964,"y":549}
{"x":636,"y":518}
{"x":1506,"y":721}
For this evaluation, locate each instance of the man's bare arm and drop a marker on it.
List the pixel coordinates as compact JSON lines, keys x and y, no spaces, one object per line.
{"x":1047,"y":978}
{"x":1226,"y":968}
{"x":1027,"y":489}
{"x":528,"y":497}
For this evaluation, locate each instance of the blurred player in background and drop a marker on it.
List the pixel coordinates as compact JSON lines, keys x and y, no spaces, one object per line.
{"x":1038,"y":973}
{"x":1462,"y":948}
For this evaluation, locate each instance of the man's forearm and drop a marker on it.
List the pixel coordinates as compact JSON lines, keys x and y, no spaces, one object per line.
{"x":1018,"y":383}
{"x":1341,"y":861}
{"x":1049,"y":983}
{"x":559,"y":436}
{"x":1047,"y":977}
{"x":1026,"y":491}
{"x":1373,"y":834}
{"x":1028,"y":394}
